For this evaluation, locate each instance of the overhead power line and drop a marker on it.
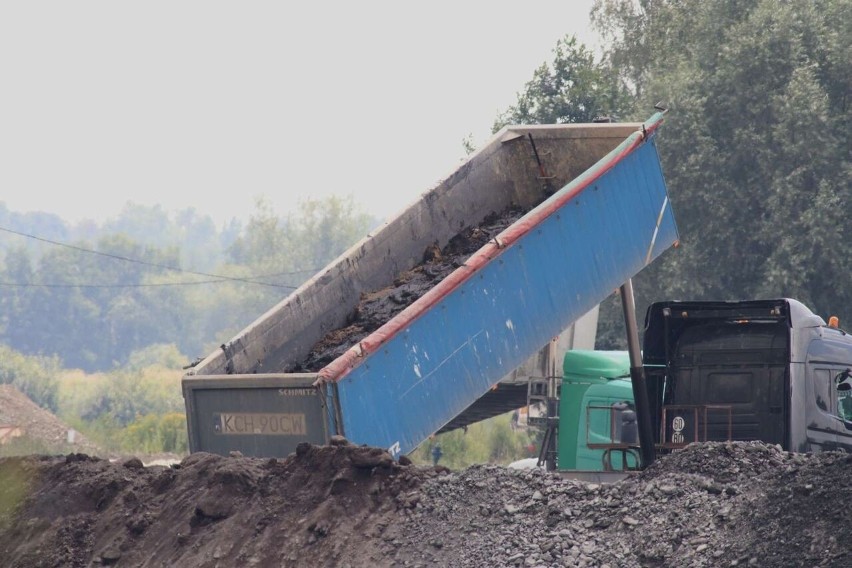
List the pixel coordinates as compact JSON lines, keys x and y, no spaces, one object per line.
{"x":219,"y":277}
{"x":154,"y":285}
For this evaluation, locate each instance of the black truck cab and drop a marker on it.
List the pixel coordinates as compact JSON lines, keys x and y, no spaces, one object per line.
{"x":768,"y":370}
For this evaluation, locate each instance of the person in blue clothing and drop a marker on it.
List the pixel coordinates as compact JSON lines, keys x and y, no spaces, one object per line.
{"x":436,"y":454}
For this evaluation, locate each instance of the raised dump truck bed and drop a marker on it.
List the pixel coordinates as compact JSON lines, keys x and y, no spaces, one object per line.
{"x":609,"y":218}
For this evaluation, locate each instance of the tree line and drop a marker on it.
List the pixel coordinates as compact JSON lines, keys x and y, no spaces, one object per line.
{"x":94,"y":301}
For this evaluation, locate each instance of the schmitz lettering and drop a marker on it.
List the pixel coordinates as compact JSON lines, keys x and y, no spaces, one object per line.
{"x":267,"y":424}
{"x":298,"y":392}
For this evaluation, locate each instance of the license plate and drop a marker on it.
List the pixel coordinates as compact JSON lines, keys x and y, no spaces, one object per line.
{"x":267,"y":424}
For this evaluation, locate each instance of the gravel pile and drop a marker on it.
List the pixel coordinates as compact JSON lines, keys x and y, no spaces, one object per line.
{"x":735,"y":504}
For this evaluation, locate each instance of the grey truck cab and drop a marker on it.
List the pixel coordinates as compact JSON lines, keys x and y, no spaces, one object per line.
{"x":768,"y":370}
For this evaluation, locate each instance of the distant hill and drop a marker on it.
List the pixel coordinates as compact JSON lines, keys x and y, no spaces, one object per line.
{"x":22,"y":419}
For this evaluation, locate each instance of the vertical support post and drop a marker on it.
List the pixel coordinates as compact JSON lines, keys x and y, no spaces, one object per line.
{"x":552,"y":401}
{"x":637,"y":376}
{"x":548,"y":451}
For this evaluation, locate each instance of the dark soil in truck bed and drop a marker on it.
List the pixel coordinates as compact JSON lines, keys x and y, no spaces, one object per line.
{"x":378,"y":307}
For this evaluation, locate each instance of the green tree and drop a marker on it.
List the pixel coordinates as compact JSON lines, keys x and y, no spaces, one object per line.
{"x":574,"y":87}
{"x":17,"y":268}
{"x":148,"y":384}
{"x":305,"y":240}
{"x":756,"y":148}
{"x":95,"y":311}
{"x":155,"y":433}
{"x":262,"y":242}
{"x":142,"y":223}
{"x":92,"y":310}
{"x":287,"y":251}
{"x":156,"y":355}
{"x":90,"y":325}
{"x":35,"y":376}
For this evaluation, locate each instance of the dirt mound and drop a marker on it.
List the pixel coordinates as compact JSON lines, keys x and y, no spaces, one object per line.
{"x":318,"y":507}
{"x":21,"y":417}
{"x":708,"y":505}
{"x":377,"y":308}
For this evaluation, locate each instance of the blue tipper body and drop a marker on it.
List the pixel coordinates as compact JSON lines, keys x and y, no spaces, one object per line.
{"x":457,"y":350}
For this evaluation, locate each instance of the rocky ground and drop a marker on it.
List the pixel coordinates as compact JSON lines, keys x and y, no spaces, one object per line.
{"x":734,"y":504}
{"x":710,"y":505}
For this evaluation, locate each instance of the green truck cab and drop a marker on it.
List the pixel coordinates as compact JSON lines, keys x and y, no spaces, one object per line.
{"x":597,"y":421}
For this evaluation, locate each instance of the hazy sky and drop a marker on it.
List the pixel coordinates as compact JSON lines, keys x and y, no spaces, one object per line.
{"x":209,"y":104}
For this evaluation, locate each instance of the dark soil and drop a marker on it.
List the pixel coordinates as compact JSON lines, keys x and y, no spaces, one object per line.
{"x":322,"y":506}
{"x":377,"y":308}
{"x":714,"y":504}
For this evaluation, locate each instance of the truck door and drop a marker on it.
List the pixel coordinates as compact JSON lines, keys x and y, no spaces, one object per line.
{"x":843,"y":404}
{"x":727,"y":381}
{"x":830,"y":420}
{"x":828,"y":391}
{"x":821,"y":416}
